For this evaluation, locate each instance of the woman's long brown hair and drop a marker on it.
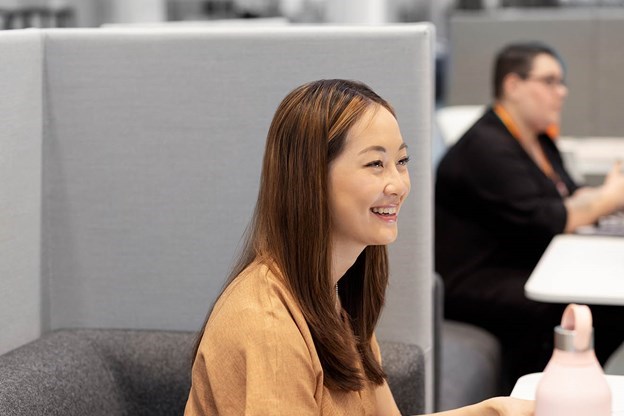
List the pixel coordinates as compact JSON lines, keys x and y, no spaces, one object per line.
{"x":291,"y":228}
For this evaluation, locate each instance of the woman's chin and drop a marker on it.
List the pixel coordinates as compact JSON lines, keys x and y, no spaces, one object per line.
{"x":387,"y":238}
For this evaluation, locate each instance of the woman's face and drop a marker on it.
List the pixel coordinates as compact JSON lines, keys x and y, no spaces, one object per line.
{"x":368,"y":182}
{"x":542,"y":92}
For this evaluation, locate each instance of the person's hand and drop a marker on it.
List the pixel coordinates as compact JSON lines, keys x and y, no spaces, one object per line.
{"x":509,"y":406}
{"x":613,"y":186}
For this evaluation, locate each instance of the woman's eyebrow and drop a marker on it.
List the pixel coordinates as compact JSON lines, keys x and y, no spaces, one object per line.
{"x":373,"y":149}
{"x":380,"y":149}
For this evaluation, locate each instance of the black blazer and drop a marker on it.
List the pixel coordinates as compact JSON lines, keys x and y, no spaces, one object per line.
{"x":495,"y":210}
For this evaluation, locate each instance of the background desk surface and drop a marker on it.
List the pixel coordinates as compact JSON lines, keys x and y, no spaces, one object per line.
{"x":584,"y":269}
{"x":526,"y":385}
{"x":589,"y":159}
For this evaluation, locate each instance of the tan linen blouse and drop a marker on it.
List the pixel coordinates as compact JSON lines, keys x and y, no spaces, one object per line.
{"x":257,"y":357}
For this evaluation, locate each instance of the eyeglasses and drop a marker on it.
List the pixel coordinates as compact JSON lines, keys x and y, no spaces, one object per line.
{"x":549,"y":81}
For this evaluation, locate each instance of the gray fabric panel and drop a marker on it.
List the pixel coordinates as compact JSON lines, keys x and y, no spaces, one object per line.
{"x":98,"y":372}
{"x":471,"y":365}
{"x":20,"y":187}
{"x":405,"y":366}
{"x":152,"y":150}
{"x":61,"y":374}
{"x":476,"y":37}
{"x":463,"y":354}
{"x":615,"y":364}
{"x":128,"y":372}
{"x":151,"y":369}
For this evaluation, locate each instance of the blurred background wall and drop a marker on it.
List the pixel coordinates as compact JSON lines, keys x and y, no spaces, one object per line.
{"x":92,"y":13}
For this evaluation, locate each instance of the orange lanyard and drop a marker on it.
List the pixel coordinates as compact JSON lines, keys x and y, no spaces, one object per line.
{"x":543,"y":163}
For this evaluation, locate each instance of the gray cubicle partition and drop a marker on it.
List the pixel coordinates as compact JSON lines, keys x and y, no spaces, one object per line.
{"x":589,"y":40}
{"x":20,"y":188}
{"x":152,"y":143}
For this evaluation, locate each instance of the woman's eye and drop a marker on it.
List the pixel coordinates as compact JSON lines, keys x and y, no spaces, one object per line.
{"x":404,"y":161}
{"x":375,"y":164}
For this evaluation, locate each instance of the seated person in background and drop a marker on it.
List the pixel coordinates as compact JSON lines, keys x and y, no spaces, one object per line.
{"x":293,"y":331}
{"x":501,"y":194}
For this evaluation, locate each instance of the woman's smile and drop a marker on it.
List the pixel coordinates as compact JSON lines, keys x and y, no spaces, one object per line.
{"x":386,"y":213}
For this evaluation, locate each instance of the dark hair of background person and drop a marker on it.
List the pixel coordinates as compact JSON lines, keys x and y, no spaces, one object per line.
{"x":291,"y":228}
{"x":517,"y":58}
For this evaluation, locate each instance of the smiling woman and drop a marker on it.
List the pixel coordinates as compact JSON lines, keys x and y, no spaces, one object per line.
{"x":368,"y":182}
{"x":293,"y":331}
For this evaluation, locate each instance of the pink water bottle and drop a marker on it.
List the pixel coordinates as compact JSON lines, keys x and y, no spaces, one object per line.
{"x":573,"y":383}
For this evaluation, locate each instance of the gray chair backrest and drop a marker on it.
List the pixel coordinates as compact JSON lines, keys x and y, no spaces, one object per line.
{"x":133,"y":372}
{"x":152,"y":146}
{"x":98,"y":373}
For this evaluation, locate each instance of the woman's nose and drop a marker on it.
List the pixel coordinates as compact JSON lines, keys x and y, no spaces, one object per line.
{"x":398,"y":183}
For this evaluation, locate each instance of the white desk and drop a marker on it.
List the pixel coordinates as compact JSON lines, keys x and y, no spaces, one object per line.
{"x":582,"y":269}
{"x":589,"y":157}
{"x":526,"y":385}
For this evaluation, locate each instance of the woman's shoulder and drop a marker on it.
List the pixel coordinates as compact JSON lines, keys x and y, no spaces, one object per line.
{"x":254,"y":307}
{"x":256,"y":289}
{"x":256,"y":348}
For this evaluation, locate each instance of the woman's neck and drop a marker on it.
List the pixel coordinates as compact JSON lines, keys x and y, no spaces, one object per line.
{"x":343,"y":257}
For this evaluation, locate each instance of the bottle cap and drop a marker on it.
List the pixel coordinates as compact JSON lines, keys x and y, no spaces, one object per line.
{"x":565,"y":340}
{"x":575,"y":334}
